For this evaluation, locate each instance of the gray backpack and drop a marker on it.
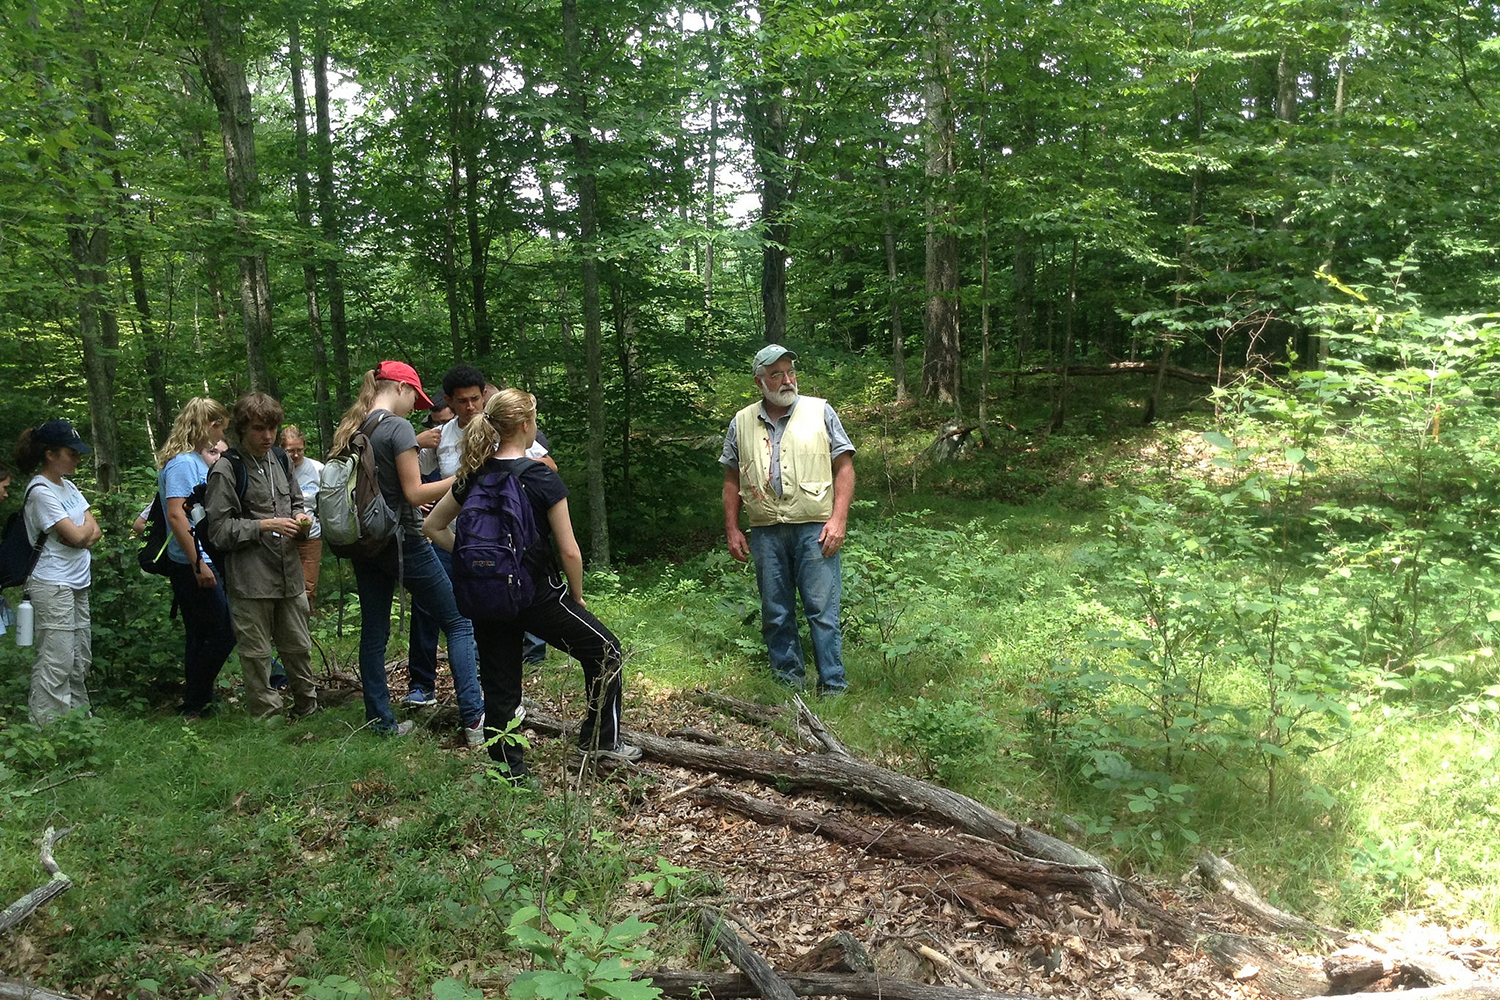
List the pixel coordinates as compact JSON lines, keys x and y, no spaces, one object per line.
{"x":357,"y":520}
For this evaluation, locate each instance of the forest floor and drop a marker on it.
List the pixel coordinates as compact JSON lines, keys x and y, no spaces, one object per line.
{"x":786,"y":891}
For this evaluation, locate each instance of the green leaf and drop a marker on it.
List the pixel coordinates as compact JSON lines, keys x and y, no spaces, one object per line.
{"x":1218,"y":440}
{"x":449,"y":988}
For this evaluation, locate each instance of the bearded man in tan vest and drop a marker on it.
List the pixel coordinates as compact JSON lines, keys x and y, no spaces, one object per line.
{"x":790,"y":466}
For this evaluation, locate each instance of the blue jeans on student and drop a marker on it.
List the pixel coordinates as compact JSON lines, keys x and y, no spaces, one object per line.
{"x":421,"y":645}
{"x":788,"y":561}
{"x":423,"y":575}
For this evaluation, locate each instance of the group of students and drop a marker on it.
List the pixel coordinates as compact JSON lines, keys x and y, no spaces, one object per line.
{"x":257,"y":517}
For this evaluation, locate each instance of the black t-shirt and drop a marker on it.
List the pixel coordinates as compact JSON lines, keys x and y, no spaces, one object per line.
{"x":543,"y":487}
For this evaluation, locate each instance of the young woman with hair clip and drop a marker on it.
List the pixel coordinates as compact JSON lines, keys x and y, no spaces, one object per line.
{"x":387,"y":396}
{"x":497,"y":445}
{"x":208,"y":634}
{"x":59,"y":583}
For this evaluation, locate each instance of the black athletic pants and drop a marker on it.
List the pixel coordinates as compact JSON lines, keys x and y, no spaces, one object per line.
{"x":561,"y":622}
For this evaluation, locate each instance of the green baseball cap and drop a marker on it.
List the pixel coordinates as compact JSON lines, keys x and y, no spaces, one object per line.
{"x":770,"y":354}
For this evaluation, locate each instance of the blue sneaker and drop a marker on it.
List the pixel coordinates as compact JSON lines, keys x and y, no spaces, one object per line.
{"x":417,"y":698}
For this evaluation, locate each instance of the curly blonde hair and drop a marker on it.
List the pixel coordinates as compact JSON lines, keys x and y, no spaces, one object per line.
{"x":193,"y":428}
{"x":505,"y":414}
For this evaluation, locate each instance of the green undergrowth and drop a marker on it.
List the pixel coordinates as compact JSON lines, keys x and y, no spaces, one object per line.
{"x":1263,"y":628}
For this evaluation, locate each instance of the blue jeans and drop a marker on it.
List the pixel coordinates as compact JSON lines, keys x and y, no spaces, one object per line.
{"x":421,"y":645}
{"x":375,"y":580}
{"x":788,"y":560}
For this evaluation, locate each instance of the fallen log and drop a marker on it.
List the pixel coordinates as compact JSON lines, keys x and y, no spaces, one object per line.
{"x":897,"y":840}
{"x":45,"y":893}
{"x":1428,"y":993}
{"x":863,"y":986}
{"x":1218,"y":874}
{"x":15,"y":989}
{"x":1351,"y":970}
{"x":746,"y":711}
{"x":872,"y":783}
{"x":767,"y":983}
{"x":1247,"y":958}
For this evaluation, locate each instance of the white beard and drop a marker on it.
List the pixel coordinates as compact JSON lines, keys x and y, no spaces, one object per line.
{"x":785,"y":396}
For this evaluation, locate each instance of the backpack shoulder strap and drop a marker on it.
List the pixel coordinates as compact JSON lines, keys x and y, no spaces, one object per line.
{"x":241,"y":474}
{"x":41,"y":538}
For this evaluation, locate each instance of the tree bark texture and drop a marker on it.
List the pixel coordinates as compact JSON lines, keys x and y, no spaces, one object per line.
{"x":892,"y":276}
{"x":34,"y":900}
{"x":225,"y":76}
{"x":1221,"y":876}
{"x":309,"y":261}
{"x":328,"y":223}
{"x":898,"y":840}
{"x":88,"y":245}
{"x":858,"y":986}
{"x":747,"y":959}
{"x":578,"y":106}
{"x":941,"y":372}
{"x":872,"y":783}
{"x":765,"y":114}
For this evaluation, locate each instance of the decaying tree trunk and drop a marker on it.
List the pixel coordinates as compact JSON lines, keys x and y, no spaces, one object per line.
{"x":15,"y":989}
{"x":767,"y":983}
{"x":1252,"y":959}
{"x":692,"y":985}
{"x":871,"y":783}
{"x":898,"y":840}
{"x":1221,"y":876}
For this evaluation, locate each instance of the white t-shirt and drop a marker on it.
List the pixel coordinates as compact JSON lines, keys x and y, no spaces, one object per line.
{"x":58,"y":564}
{"x":451,"y":445}
{"x":307,"y":481}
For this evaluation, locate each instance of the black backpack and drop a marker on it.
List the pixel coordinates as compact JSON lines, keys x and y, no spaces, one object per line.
{"x":18,"y":555}
{"x":153,"y":556}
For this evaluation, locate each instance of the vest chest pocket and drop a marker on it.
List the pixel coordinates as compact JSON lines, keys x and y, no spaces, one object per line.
{"x":816,"y":490}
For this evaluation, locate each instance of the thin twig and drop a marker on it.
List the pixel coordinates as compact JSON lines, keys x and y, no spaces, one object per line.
{"x":63,"y":781}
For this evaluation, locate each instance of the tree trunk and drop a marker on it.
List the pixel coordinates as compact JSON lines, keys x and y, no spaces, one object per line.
{"x":892,"y":276}
{"x":88,"y":245}
{"x":765,"y":118}
{"x":941,"y":372}
{"x":450,"y":228}
{"x":153,"y":357}
{"x":309,"y":262}
{"x":225,"y":76}
{"x":578,"y":104}
{"x":1060,"y":401}
{"x":328,"y":223}
{"x":479,"y":244}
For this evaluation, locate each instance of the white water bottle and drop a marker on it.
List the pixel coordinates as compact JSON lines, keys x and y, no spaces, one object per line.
{"x":25,"y":622}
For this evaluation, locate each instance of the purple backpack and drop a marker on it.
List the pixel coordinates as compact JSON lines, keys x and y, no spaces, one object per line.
{"x":491,"y":536}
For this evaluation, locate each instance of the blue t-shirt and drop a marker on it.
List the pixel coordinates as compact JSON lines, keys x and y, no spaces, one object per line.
{"x":178,"y":478}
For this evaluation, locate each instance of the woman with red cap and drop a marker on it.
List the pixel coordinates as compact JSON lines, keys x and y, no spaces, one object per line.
{"x":388,"y":395}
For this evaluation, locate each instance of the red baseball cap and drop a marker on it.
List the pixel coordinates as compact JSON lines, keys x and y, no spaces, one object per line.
{"x":400,"y":371}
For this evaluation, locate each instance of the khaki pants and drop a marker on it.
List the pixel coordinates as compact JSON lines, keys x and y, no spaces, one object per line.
{"x":64,"y":651}
{"x":260,"y":624}
{"x":311,"y":551}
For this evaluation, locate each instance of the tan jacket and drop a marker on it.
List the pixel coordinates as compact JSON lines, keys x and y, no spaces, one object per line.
{"x":806,"y":466}
{"x":258,"y":564}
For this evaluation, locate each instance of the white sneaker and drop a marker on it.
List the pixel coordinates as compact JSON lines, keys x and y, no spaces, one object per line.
{"x":474,"y":735}
{"x":403,"y":728}
{"x":622,"y":753}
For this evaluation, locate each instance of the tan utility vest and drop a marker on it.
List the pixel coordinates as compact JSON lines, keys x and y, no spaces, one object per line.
{"x":806,"y":465}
